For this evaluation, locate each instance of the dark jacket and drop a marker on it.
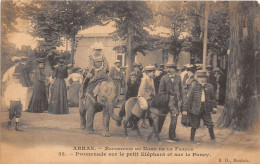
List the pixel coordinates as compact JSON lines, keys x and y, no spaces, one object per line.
{"x":189,"y":83}
{"x":193,"y":101}
{"x":174,"y":88}
{"x":132,"y":90}
{"x":25,"y":77}
{"x":212,"y":80}
{"x":157,"y":81}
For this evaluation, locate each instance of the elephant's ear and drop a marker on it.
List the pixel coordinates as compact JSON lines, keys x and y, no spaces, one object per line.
{"x":111,"y":92}
{"x":96,"y":89}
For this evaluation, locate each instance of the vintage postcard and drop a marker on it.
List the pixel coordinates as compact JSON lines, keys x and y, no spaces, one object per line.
{"x":130,"y":82}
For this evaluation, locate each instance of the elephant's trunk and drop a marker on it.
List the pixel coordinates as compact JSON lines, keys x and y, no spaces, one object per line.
{"x":112,"y":113}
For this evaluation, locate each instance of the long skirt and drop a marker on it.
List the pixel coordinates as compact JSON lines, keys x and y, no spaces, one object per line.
{"x":58,"y":101}
{"x":73,"y":94}
{"x":38,"y":102}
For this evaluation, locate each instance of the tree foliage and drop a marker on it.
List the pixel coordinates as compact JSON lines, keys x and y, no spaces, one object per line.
{"x":52,"y":20}
{"x":9,"y":13}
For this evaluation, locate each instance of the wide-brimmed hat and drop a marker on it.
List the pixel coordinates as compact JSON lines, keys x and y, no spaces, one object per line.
{"x":201,"y":73}
{"x":150,"y":68}
{"x":98,"y":46}
{"x":15,"y":59}
{"x":171,"y":65}
{"x":40,"y":60}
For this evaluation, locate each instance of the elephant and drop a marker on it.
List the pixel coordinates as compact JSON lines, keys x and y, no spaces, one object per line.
{"x":105,"y":93}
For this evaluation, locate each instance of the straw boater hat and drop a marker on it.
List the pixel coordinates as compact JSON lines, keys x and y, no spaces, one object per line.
{"x":15,"y":59}
{"x":201,"y":73}
{"x":171,"y":65}
{"x":149,"y":68}
{"x":98,"y":46}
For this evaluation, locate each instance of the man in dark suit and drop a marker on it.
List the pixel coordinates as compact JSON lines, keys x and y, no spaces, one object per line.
{"x":200,"y":101}
{"x":211,"y":78}
{"x":171,"y":84}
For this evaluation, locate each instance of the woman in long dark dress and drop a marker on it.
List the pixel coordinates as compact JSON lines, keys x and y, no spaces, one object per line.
{"x":58,"y":102}
{"x":39,"y":102}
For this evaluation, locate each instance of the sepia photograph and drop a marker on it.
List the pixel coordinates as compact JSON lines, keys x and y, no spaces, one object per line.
{"x":156,"y":82}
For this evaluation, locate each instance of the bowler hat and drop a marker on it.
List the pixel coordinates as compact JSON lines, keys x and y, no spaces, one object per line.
{"x":201,"y":73}
{"x":171,"y":65}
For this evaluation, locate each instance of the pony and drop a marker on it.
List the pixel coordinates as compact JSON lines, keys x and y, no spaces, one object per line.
{"x":134,"y":110}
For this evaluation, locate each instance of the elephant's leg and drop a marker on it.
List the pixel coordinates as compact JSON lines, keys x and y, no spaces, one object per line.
{"x":82,"y":112}
{"x":106,"y":119}
{"x":90,"y":116}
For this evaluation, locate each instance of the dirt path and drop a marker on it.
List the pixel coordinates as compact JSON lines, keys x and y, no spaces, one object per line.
{"x":49,"y":138}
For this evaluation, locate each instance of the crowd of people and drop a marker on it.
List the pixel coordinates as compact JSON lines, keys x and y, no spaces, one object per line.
{"x":194,"y":90}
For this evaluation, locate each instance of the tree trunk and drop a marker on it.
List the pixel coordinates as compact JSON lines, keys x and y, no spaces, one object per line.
{"x":130,"y":57}
{"x":240,"y":111}
{"x":73,"y":41}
